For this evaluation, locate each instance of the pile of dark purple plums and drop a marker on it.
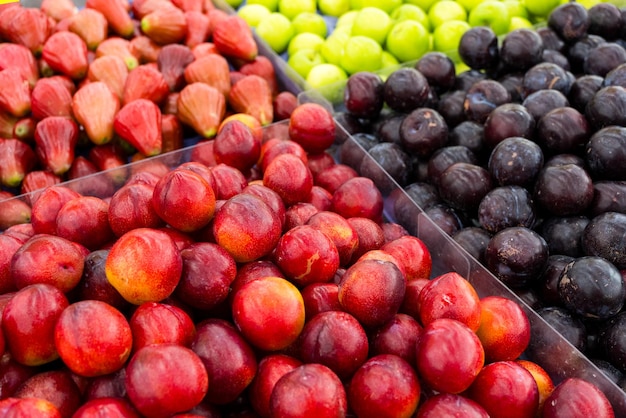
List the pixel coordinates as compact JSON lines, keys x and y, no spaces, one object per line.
{"x":521,"y":159}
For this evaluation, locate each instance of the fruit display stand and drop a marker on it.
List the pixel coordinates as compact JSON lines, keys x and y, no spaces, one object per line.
{"x":552,"y":352}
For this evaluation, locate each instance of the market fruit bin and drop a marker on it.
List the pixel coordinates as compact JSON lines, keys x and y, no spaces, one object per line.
{"x":552,"y":352}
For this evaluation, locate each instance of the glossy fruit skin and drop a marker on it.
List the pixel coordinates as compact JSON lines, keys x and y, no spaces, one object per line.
{"x":444,"y":372}
{"x":579,"y":283}
{"x":478,"y":48}
{"x":363,"y":95}
{"x":599,"y":238}
{"x":28,"y":322}
{"x":578,"y":399}
{"x":406,"y":90}
{"x":447,"y":403}
{"x":490,"y":390}
{"x":516,"y":268}
{"x":309,"y":390}
{"x":371,"y":392}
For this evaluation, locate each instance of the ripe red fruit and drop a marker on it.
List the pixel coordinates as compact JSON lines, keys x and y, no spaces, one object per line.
{"x":55,"y":386}
{"x":312,"y":126}
{"x":116,"y":15}
{"x":110,"y":69}
{"x":232,"y":37}
{"x":91,"y":26}
{"x":198,"y":28}
{"x":66,"y":53}
{"x":506,"y":389}
{"x":93,"y":338}
{"x":319,"y":391}
{"x":290,"y":177}
{"x":236,"y":145}
{"x":165,"y":25}
{"x":450,"y":296}
{"x":131,"y":207}
{"x":22,"y":59}
{"x":16,"y":159}
{"x":145,"y":82}
{"x":202,"y":107}
{"x":271,"y":368}
{"x":171,"y":62}
{"x":139,"y":124}
{"x":55,"y":141}
{"x":212,"y":69}
{"x":449,"y":356}
{"x":85,"y":220}
{"x":28,"y":407}
{"x":15,"y":94}
{"x":95,"y":106}
{"x":577,"y":398}
{"x":161,"y":323}
{"x":120,"y":47}
{"x":246,"y":227}
{"x":27,"y":26}
{"x":229,"y":359}
{"x":58,"y":9}
{"x":165,"y":396}
{"x":28,"y":322}
{"x":47,"y":206}
{"x":145,"y":49}
{"x":384,"y":386}
{"x":50,"y":97}
{"x":253,"y":95}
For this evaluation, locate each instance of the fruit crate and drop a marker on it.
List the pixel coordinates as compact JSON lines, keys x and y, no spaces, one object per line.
{"x":557,"y":356}
{"x":551,"y":351}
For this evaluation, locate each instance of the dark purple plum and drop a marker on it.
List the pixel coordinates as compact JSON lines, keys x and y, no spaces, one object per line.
{"x":569,"y":326}
{"x":604,"y":237}
{"x":583,"y":89}
{"x":607,"y":107}
{"x":516,"y":161}
{"x":563,"y":130}
{"x":473,"y":240}
{"x":478,"y":48}
{"x":423,"y":131}
{"x":505,"y":207}
{"x":482,"y":98}
{"x":392,"y":159}
{"x":542,"y":101}
{"x":613,"y":341}
{"x":606,"y":154}
{"x":506,"y":121}
{"x":521,"y":49}
{"x":610,"y":371}
{"x":406,"y":89}
{"x":592,"y":287}
{"x":615,"y":77}
{"x":517,"y":256}
{"x":469,"y":134}
{"x":556,"y":58}
{"x":445,"y":157}
{"x":570,"y":21}
{"x":406,"y":203}
{"x":564,"y":159}
{"x":438,"y":69}
{"x":352,"y":152}
{"x":388,"y":129}
{"x":563,"y":234}
{"x":603,"y":58}
{"x":608,"y":196}
{"x":450,"y":106}
{"x":605,"y":19}
{"x":555,"y":194}
{"x":543,"y":76}
{"x":547,"y":284}
{"x":512,"y":82}
{"x":466,"y":79}
{"x":363,"y":95}
{"x":463,"y":186}
{"x":446,"y":218}
{"x":551,"y":39}
{"x":579,"y":50}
